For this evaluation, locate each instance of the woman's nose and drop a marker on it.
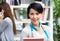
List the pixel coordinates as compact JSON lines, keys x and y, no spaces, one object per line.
{"x":34,"y":16}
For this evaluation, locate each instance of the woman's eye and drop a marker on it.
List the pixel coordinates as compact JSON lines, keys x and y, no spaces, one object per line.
{"x":37,"y":13}
{"x":32,"y":14}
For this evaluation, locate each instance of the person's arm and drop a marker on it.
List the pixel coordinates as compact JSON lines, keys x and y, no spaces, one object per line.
{"x":9,"y":29}
{"x":24,"y":34}
{"x":4,"y":24}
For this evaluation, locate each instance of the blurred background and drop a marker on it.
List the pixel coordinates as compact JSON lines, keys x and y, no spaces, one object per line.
{"x":56,"y":14}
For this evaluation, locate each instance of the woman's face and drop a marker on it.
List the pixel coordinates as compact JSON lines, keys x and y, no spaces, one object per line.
{"x":34,"y":16}
{"x":1,"y":14}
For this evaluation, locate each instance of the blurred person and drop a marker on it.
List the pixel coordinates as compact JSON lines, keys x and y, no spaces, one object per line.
{"x":7,"y":24}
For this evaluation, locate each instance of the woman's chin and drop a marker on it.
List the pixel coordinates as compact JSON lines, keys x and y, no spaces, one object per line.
{"x":35,"y":22}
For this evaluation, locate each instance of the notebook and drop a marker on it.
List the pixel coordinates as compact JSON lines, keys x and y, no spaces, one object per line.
{"x":33,"y":39}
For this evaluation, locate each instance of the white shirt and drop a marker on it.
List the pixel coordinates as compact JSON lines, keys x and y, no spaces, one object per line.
{"x":28,"y":33}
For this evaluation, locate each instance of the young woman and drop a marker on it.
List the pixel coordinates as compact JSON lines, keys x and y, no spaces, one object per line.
{"x":7,"y":25}
{"x":35,"y":29}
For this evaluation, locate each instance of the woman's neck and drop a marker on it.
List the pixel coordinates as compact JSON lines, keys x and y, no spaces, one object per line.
{"x":1,"y":20}
{"x":36,"y":25}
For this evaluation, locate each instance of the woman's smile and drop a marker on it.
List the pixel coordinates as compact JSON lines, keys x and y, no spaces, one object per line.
{"x":34,"y":16}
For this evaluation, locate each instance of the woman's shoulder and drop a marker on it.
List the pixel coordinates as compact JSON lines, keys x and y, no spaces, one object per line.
{"x":8,"y":20}
{"x":27,"y":26}
{"x":46,"y":27}
{"x":26,"y":30}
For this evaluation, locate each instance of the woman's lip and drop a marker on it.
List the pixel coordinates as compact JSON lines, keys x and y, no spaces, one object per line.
{"x":35,"y":20}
